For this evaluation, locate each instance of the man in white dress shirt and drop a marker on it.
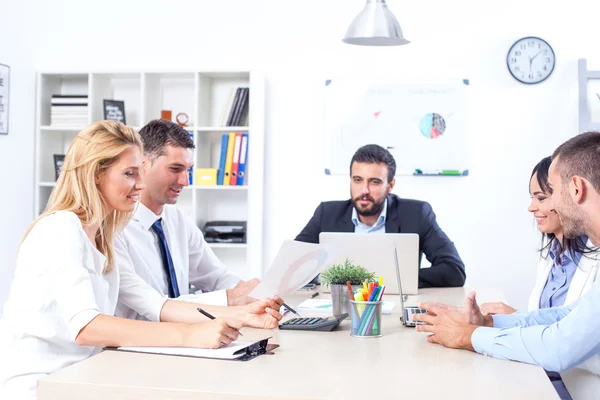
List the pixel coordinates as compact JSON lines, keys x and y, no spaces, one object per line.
{"x":185,"y":258}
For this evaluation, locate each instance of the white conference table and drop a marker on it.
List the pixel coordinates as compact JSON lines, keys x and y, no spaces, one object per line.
{"x":311,"y":365}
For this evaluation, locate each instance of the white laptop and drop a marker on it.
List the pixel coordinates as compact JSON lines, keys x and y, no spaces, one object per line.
{"x":408,"y":311}
{"x":374,"y":252}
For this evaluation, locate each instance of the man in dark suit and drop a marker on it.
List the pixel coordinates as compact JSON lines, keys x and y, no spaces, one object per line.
{"x":373,"y":209}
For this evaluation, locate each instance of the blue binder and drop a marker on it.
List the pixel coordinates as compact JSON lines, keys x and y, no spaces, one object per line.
{"x":191,"y":170}
{"x":221,"y":171}
{"x":243,"y":157}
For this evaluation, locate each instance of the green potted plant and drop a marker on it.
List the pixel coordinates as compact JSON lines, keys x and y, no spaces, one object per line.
{"x":336,"y":277}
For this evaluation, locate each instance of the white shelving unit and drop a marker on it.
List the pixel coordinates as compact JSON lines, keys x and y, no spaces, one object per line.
{"x":589,"y":97}
{"x":203,"y":96}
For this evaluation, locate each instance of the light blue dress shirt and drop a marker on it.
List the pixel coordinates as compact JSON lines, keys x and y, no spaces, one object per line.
{"x":561,"y":275}
{"x":554,"y":338}
{"x":378,"y":227}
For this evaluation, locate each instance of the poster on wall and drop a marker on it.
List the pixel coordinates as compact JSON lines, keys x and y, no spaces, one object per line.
{"x":4,"y":98}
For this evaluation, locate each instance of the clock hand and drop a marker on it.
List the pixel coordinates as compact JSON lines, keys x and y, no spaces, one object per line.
{"x":531,"y":59}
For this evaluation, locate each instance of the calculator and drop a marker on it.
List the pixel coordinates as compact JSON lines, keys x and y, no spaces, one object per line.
{"x":314,"y":323}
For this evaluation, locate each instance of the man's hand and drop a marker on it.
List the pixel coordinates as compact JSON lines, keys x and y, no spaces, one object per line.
{"x":496,"y":308}
{"x":452,"y":326}
{"x":472,"y":309}
{"x":238,"y":296}
{"x":263,"y":314}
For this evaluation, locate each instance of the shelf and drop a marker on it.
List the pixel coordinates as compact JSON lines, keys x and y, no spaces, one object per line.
{"x":220,"y":187}
{"x":48,"y":128}
{"x":61,"y":128}
{"x":221,"y":128}
{"x":46,"y":184}
{"x":206,"y":97}
{"x":227,"y":245}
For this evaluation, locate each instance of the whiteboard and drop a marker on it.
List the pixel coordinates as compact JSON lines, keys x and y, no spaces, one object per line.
{"x":423,"y":125}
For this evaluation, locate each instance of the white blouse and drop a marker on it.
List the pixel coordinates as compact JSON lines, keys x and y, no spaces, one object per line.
{"x":57,"y":290}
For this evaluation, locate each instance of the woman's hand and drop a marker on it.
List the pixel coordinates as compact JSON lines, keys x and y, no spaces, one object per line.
{"x":212,"y":334}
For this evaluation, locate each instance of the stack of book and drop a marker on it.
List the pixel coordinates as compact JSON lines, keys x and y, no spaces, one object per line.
{"x":69,"y":111}
{"x":236,"y":112}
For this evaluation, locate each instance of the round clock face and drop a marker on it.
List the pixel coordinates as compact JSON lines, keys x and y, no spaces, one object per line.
{"x":530,"y":60}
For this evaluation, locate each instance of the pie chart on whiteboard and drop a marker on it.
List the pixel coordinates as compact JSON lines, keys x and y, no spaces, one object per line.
{"x":432,"y":125}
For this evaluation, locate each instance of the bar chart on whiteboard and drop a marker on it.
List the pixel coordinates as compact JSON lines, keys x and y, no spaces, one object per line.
{"x":423,"y":125}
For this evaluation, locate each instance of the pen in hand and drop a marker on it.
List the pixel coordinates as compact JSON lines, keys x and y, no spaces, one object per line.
{"x":291,"y":309}
{"x":210,"y":316}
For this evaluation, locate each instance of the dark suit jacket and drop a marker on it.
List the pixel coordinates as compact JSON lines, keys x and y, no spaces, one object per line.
{"x":403,"y":216}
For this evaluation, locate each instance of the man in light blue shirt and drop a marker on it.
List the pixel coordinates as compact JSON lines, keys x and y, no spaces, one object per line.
{"x":555,"y":338}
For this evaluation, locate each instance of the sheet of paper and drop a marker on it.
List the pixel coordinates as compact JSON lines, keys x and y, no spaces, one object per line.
{"x":226,"y":352}
{"x":296,"y":264}
{"x":325,"y":305}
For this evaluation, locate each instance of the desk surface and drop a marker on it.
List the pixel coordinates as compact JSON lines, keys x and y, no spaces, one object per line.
{"x":311,"y":365}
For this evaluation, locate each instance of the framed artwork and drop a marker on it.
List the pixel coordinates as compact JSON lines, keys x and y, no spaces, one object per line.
{"x":114,"y":110}
{"x":59,"y":160}
{"x":4,"y":98}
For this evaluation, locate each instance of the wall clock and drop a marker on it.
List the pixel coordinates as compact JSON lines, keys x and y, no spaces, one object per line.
{"x":530,"y":60}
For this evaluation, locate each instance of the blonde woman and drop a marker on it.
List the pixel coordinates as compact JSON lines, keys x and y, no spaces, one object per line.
{"x":64,"y":293}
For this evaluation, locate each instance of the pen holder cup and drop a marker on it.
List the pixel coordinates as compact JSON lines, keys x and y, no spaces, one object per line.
{"x":340,"y":298}
{"x":366,"y":318}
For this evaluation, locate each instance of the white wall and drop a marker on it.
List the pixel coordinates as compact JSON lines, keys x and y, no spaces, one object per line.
{"x":16,"y":149}
{"x":297,"y":45}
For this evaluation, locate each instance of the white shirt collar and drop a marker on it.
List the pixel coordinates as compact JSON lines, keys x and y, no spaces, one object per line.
{"x":145,"y":216}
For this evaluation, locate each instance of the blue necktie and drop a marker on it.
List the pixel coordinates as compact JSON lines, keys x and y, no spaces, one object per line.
{"x":167,"y":260}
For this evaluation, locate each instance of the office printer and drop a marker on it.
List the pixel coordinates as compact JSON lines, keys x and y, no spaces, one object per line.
{"x":225,"y":232}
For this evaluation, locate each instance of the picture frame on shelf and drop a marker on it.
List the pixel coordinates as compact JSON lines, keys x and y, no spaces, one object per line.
{"x":114,"y":110}
{"x":59,"y":160}
{"x":4,"y":98}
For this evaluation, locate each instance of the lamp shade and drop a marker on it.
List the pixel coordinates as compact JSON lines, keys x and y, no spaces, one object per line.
{"x":375,"y":26}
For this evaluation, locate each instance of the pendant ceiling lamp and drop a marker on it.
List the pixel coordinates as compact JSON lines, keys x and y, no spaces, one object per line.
{"x":375,"y":26}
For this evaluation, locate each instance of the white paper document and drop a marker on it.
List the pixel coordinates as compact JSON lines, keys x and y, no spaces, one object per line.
{"x":223,"y":353}
{"x":296,"y":264}
{"x":325,"y":306}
